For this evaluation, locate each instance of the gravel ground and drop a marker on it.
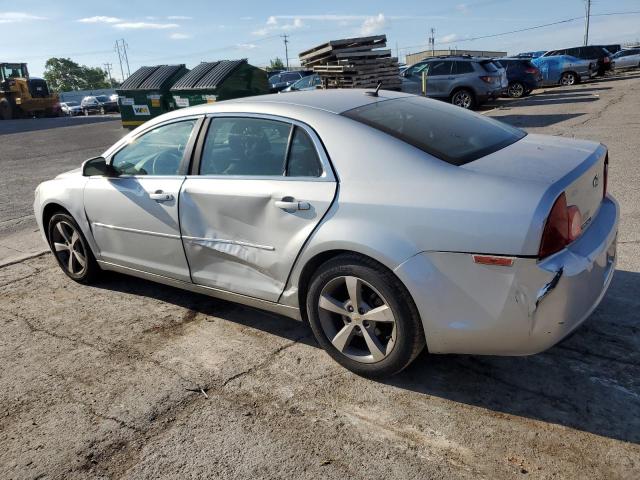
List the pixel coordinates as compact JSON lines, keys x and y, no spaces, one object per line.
{"x":129,"y":379}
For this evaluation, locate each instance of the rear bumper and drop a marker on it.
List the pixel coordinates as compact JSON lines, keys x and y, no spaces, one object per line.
{"x":518,"y":310}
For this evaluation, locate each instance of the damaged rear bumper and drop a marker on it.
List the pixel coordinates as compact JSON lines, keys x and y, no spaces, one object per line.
{"x":519,"y":310}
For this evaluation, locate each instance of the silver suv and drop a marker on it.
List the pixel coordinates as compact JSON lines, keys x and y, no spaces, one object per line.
{"x":464,"y":81}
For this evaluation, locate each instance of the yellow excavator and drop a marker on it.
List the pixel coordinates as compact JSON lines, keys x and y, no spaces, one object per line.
{"x":22,"y":96}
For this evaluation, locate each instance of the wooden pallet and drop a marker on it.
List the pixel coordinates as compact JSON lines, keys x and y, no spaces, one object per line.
{"x":354,"y":63}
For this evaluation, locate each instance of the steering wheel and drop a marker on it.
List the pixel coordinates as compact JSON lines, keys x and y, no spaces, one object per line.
{"x":166,"y":163}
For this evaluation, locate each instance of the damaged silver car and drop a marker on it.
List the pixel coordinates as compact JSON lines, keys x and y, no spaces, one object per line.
{"x":389,"y":221}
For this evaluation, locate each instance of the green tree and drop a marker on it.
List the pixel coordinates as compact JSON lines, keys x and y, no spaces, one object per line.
{"x":276,"y":64}
{"x":63,"y":74}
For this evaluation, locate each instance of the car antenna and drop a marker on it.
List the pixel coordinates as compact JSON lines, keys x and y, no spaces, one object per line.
{"x":374,"y":94}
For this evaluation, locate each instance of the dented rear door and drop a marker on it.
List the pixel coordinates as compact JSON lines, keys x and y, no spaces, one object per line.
{"x":242,"y":232}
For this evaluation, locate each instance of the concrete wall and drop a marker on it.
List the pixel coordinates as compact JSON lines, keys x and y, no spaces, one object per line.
{"x":78,"y":95}
{"x":419,"y":56}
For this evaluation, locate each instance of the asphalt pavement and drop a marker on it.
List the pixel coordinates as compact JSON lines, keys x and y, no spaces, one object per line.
{"x":130,"y":379}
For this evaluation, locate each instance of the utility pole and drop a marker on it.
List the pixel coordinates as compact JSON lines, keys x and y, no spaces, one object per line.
{"x":121,"y":49}
{"x":108,"y":67}
{"x":286,"y":48}
{"x":126,"y":57}
{"x":587,"y":7}
{"x":432,"y":42}
{"x":117,"y":49}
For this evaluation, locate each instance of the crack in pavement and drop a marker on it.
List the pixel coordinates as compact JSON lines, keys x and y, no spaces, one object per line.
{"x":270,"y":357}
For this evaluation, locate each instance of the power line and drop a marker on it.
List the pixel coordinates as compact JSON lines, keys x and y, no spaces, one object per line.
{"x":535,"y":27}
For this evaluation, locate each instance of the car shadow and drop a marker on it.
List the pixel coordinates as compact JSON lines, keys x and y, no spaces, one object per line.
{"x":540,"y":120}
{"x":587,"y":382}
{"x":36,"y":124}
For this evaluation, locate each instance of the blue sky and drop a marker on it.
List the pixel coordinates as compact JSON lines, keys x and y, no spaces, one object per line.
{"x":192,"y":31}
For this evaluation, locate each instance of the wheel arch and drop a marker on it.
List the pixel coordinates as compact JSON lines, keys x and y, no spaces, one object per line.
{"x":312,"y":265}
{"x":49,"y":210}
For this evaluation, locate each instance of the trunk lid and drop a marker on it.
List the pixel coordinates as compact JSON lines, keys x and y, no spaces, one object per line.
{"x":575,"y":167}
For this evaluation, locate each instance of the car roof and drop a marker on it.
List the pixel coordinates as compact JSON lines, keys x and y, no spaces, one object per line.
{"x":332,"y":100}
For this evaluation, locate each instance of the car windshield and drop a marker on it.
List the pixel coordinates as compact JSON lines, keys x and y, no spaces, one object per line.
{"x":102,"y":98}
{"x":289,"y":77}
{"x":449,"y":133}
{"x":72,"y":104}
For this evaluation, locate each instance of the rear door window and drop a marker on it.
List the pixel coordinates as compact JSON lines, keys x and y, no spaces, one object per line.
{"x":451,"y":134}
{"x":245,"y":146}
{"x":303,"y":158}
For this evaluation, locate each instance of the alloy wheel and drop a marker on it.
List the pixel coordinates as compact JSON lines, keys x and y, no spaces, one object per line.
{"x":462,"y":99}
{"x":69,"y":248}
{"x":356,"y":319}
{"x":515,"y":90}
{"x":568,"y":79}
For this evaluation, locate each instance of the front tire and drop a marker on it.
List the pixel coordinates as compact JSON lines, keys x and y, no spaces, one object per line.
{"x":568,"y":78}
{"x":5,"y":110}
{"x":71,"y":249}
{"x":363,"y":316}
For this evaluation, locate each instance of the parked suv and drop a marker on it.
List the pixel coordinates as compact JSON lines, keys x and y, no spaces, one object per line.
{"x":522,"y":75}
{"x":600,"y":56}
{"x":464,"y":81}
{"x":99,"y":104}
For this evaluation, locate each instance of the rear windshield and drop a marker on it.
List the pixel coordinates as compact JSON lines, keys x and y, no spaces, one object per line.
{"x":449,"y":133}
{"x":489,"y":66}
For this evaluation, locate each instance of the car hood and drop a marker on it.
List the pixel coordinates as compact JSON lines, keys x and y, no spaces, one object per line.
{"x":76,"y":172}
{"x":537,"y":158}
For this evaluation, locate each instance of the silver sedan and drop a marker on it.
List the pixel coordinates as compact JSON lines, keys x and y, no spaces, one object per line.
{"x":390,"y":222}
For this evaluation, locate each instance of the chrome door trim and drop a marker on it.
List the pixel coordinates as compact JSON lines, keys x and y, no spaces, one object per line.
{"x":231,"y":242}
{"x":135,"y":230}
{"x":328,"y":174}
{"x":286,"y":310}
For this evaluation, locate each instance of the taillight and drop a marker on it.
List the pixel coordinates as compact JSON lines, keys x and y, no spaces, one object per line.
{"x":563,"y":226}
{"x":488,"y":79}
{"x":606,"y":60}
{"x":532,"y":70}
{"x":605,"y":175}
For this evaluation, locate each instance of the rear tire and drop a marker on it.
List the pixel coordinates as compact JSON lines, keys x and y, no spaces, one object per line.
{"x":516,"y":90}
{"x":5,"y":110}
{"x":363,"y":316}
{"x":71,"y":250}
{"x":464,"y":98}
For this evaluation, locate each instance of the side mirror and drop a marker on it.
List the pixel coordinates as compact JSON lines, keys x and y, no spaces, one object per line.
{"x":98,"y":166}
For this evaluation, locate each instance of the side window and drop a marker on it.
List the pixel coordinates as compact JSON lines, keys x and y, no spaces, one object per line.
{"x":157,"y":152}
{"x":463,"y":67}
{"x":245,"y":146}
{"x":303,"y":157}
{"x":440,"y":68}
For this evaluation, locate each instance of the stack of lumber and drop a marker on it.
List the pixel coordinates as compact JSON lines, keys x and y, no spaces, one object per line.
{"x":354,"y":63}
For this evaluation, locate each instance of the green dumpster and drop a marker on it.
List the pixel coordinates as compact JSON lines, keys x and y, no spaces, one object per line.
{"x":222,"y":80}
{"x":145,"y":94}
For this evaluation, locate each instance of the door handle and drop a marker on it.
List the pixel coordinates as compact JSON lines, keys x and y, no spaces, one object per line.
{"x":160,"y":196}
{"x":288,"y":203}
